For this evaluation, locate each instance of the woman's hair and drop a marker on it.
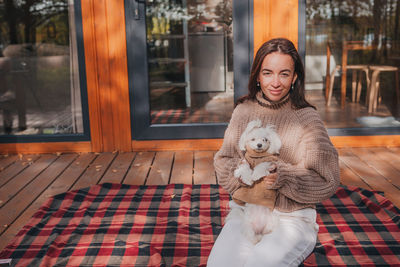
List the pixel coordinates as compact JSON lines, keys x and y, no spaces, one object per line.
{"x":284,"y":46}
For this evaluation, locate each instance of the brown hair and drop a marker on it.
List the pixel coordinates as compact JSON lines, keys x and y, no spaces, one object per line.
{"x":284,"y":46}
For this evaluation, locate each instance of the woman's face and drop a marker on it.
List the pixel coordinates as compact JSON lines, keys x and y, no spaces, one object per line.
{"x":276,"y":75}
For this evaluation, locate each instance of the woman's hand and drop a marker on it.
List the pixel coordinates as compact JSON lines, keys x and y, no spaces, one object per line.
{"x":269,"y":180}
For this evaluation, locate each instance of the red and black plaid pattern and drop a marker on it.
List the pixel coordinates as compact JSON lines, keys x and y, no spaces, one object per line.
{"x":357,"y":228}
{"x":176,"y":225}
{"x":121,"y":225}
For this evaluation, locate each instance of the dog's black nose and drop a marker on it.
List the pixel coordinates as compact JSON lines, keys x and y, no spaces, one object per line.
{"x":259,"y":145}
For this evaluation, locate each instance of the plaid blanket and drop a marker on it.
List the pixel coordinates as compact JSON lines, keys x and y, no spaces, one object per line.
{"x":176,"y":225}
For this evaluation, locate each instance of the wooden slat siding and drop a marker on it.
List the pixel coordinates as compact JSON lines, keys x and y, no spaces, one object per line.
{"x":95,"y":171}
{"x":204,"y":172}
{"x":118,"y":75}
{"x":92,"y":73}
{"x":12,"y":209}
{"x":370,"y":176}
{"x":18,"y":166}
{"x":10,"y":189}
{"x":391,"y":174}
{"x":6,"y":160}
{"x":161,"y":169}
{"x":182,"y":171}
{"x":119,"y":168}
{"x":268,"y":14}
{"x":140,"y":168}
{"x":348,"y":177}
{"x":62,"y":184}
{"x":103,"y":68}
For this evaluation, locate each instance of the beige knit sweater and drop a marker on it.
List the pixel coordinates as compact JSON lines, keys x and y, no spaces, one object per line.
{"x":308,"y":168}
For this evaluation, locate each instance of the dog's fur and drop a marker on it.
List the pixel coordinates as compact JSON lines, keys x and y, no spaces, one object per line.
{"x":261,"y":146}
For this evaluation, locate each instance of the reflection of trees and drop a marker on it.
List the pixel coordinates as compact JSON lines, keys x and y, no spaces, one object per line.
{"x":22,"y":18}
{"x":373,"y":21}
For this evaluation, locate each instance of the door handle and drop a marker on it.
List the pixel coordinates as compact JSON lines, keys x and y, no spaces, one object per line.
{"x":136,"y":8}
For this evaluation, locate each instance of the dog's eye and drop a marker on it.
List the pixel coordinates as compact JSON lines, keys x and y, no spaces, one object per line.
{"x":252,"y":139}
{"x":265,"y":139}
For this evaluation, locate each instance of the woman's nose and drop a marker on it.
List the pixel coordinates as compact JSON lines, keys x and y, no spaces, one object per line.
{"x":276,"y":82}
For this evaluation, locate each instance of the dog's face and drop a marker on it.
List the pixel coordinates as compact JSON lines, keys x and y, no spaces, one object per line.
{"x":257,"y":140}
{"x":260,"y":139}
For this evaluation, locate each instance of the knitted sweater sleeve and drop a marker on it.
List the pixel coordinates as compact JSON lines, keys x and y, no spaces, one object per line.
{"x":316,"y":177}
{"x":228,"y":157}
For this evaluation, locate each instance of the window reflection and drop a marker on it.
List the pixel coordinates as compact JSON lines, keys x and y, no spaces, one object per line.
{"x":39,"y":86}
{"x":359,"y":42}
{"x":190,"y":60}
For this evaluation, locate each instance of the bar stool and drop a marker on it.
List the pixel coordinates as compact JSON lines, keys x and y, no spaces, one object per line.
{"x":373,"y":90}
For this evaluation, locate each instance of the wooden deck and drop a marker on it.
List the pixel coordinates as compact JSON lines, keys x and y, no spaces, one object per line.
{"x":26,"y":181}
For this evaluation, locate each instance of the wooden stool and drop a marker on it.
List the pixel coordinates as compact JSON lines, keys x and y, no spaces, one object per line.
{"x":372,"y":93}
{"x":356,"y":81}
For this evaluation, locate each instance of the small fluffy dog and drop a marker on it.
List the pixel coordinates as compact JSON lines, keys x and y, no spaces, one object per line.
{"x":261,"y":146}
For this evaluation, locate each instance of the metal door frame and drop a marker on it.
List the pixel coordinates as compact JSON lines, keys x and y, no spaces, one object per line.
{"x":142,"y":129}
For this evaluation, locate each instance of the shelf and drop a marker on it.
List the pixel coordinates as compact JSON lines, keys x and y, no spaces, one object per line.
{"x":166,"y":36}
{"x":167,"y":60}
{"x":168,"y":84}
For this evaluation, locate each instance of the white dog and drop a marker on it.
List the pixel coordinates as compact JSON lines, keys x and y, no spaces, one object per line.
{"x":261,"y":145}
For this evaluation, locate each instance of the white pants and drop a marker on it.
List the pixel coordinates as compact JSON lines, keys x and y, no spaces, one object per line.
{"x":288,"y":244}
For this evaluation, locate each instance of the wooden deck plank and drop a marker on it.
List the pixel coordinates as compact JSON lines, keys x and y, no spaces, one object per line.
{"x":95,"y":171}
{"x":140,"y":168}
{"x":391,"y":174}
{"x":18,"y":166}
{"x":62,"y":184}
{"x":12,"y":209}
{"x":349,"y":178}
{"x":71,"y":174}
{"x":391,"y":155}
{"x":370,"y":168}
{"x":204,"y":172}
{"x":6,"y":160}
{"x":9,"y":190}
{"x":161,"y":169}
{"x":118,"y":169}
{"x":182,"y":171}
{"x":370,"y":176}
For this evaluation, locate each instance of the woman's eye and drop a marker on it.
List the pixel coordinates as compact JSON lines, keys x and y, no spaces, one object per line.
{"x":285,"y":74}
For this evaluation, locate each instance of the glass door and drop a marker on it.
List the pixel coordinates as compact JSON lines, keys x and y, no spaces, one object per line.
{"x":181,"y":66}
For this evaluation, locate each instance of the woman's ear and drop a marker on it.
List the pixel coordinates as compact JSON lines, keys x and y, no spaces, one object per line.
{"x":294,"y":78}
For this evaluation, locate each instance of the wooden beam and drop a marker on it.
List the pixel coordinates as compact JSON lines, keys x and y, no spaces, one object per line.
{"x":50,"y":147}
{"x":274,"y":19}
{"x":177,"y":145}
{"x":366,"y":141}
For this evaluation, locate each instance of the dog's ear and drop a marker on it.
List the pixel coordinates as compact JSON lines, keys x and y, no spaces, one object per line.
{"x":250,"y":126}
{"x":275,"y":141}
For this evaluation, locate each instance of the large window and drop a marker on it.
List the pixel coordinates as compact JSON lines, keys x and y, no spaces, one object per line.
{"x":190,"y":60}
{"x":353,"y":61}
{"x":39,"y":72}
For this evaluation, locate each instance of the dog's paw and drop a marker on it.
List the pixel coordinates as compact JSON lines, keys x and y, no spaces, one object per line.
{"x":261,"y":170}
{"x":247,"y":180}
{"x":243,"y":171}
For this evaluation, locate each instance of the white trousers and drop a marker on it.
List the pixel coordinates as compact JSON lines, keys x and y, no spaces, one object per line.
{"x":291,"y":241}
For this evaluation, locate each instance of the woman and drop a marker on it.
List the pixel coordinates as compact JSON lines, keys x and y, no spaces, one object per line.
{"x":307,"y":171}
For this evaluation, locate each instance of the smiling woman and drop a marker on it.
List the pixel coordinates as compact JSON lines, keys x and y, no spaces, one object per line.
{"x":275,"y":78}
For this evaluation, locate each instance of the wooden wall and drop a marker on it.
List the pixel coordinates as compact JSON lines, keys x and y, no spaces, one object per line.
{"x":274,"y":19}
{"x":108,"y":90}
